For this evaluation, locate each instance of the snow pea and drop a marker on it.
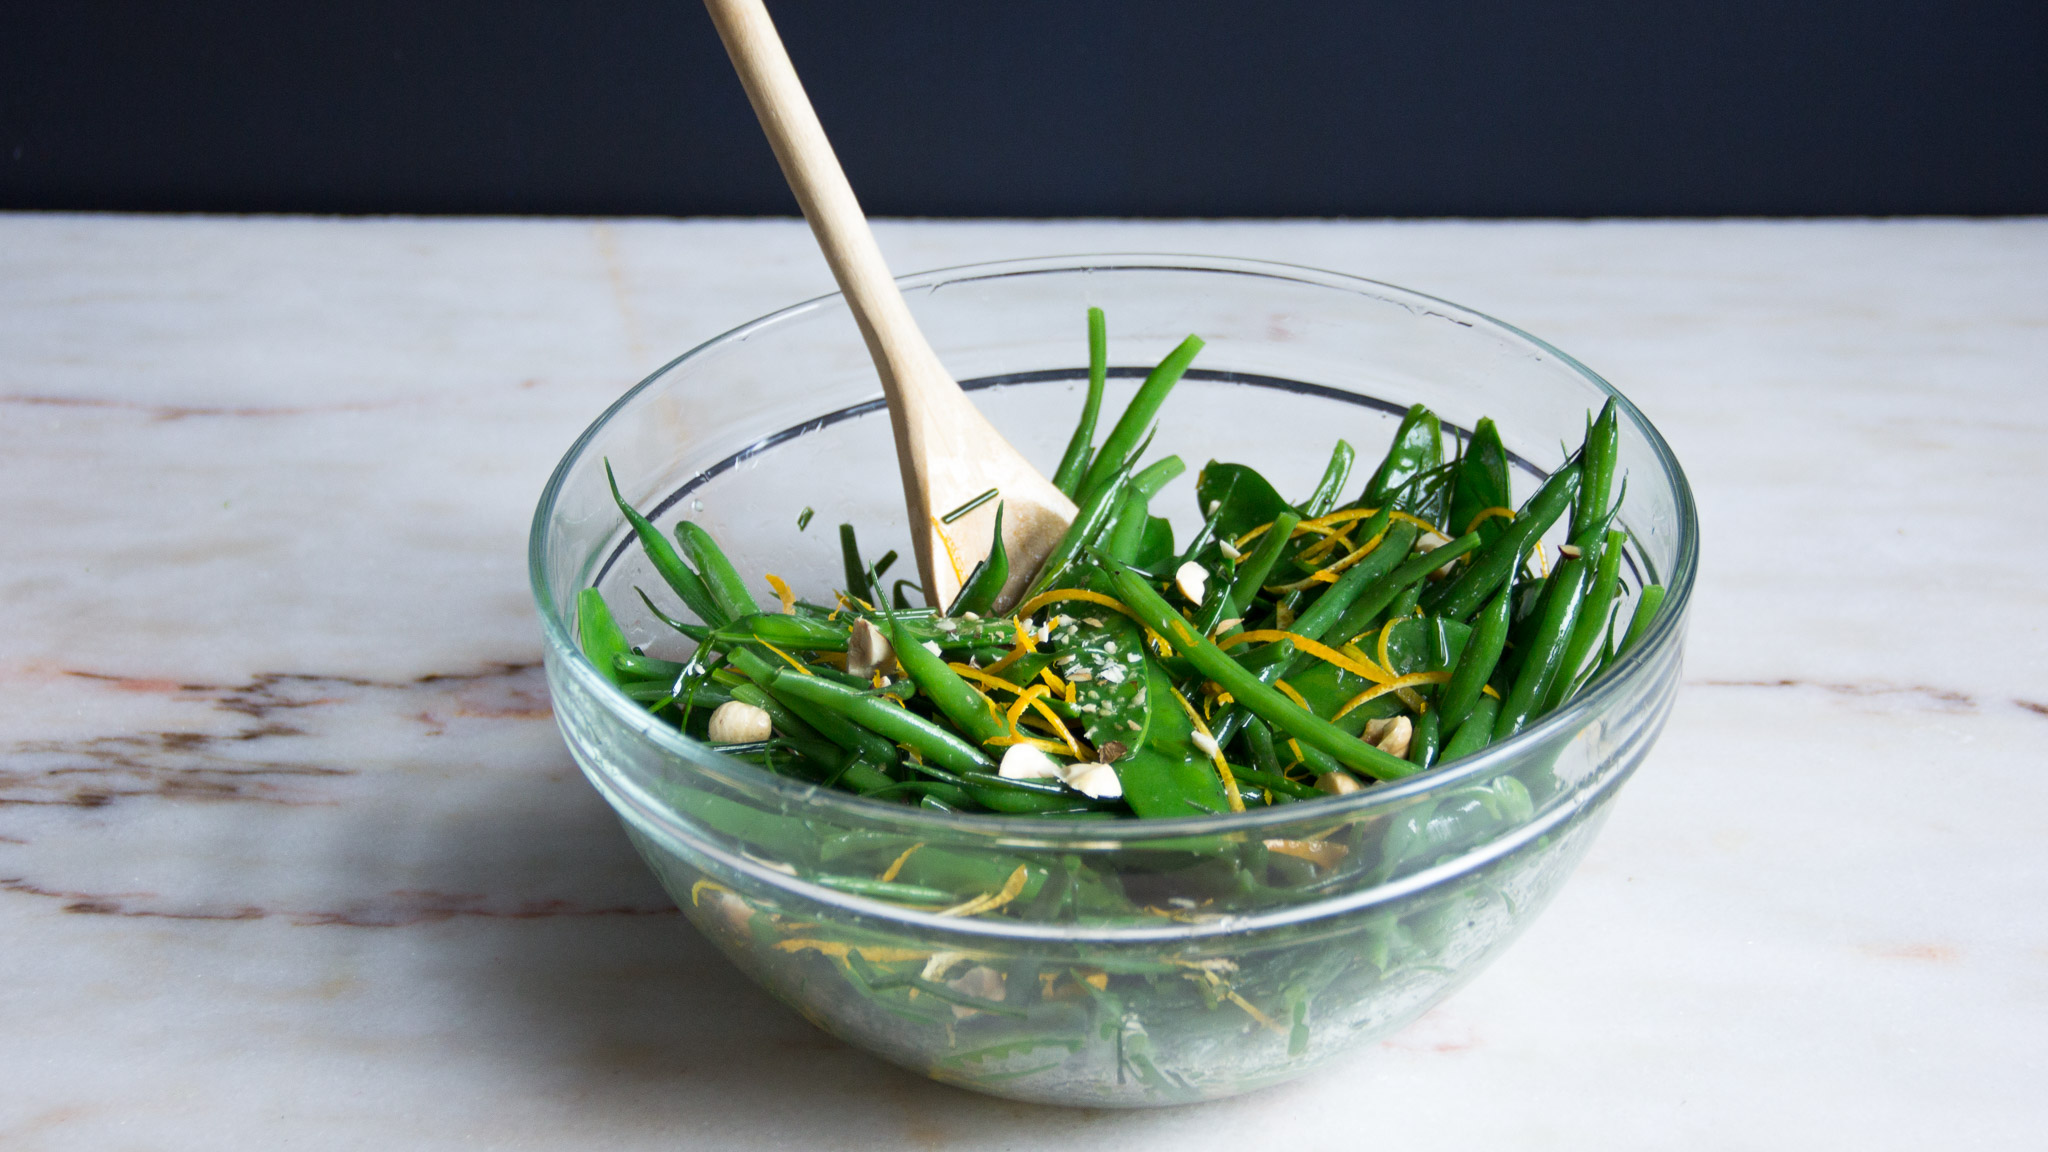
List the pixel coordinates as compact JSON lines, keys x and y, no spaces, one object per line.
{"x":1418,"y":447}
{"x":1481,"y":483}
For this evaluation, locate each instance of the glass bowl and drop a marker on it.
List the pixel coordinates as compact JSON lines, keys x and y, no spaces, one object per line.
{"x":1240,"y":967}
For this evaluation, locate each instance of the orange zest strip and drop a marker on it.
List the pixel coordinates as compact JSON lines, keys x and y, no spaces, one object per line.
{"x":793,"y":661}
{"x":1386,"y":633}
{"x":1058,"y":595}
{"x":1411,"y":680}
{"x":952,"y":557}
{"x":1284,"y":686}
{"x":1030,"y":698}
{"x":1419,"y":522}
{"x":1485,"y":514}
{"x":1346,"y":516}
{"x":1319,"y":576}
{"x":1230,"y":792}
{"x":1025,"y":644}
{"x":782,"y":593}
{"x":1324,"y":547}
{"x":1038,"y":742}
{"x":898,"y":865}
{"x":982,"y":676}
{"x":1301,"y":529}
{"x":1366,"y":671}
{"x":990,"y":901}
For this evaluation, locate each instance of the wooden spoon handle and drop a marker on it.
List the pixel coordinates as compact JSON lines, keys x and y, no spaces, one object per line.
{"x":946,"y":450}
{"x":827,"y":200}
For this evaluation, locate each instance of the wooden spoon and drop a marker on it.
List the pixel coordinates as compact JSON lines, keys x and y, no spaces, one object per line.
{"x":947,"y":450}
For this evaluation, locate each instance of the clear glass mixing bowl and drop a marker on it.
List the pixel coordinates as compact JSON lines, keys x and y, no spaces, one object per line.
{"x":1190,"y":981}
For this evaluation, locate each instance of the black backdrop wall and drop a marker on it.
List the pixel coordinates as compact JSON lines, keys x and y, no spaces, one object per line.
{"x":1044,"y":107}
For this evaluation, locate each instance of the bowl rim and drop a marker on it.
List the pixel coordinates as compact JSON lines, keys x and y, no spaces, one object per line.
{"x":1664,"y":634}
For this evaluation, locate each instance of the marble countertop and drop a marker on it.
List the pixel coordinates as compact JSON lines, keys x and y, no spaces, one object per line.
{"x":291,"y":854}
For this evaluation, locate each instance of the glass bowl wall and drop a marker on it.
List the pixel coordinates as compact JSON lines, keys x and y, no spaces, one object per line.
{"x":1217,"y":966}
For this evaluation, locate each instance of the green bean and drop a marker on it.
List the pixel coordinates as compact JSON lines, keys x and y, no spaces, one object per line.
{"x":1384,"y":591}
{"x":1491,"y":565}
{"x":1278,"y":659}
{"x":1244,"y":585}
{"x":599,"y":634}
{"x":1275,"y":782}
{"x":1422,"y":744}
{"x":1647,"y":606}
{"x":867,"y":975}
{"x":786,"y":632}
{"x":1074,"y":464}
{"x":856,"y":572}
{"x":1405,"y":601}
{"x":1128,"y":529}
{"x":663,"y":556}
{"x":1474,"y":734}
{"x":901,"y":725}
{"x":1264,"y":700}
{"x":1202,"y":538}
{"x":947,"y":689}
{"x":837,"y":728}
{"x":697,"y":632}
{"x":1316,"y":760}
{"x":1557,"y":611}
{"x":985,"y":583}
{"x":1322,"y":617}
{"x":1592,"y":619}
{"x":664,"y":692}
{"x":1476,"y":663}
{"x":1089,"y":520}
{"x":884,"y":889}
{"x":862,"y":776}
{"x":1259,"y":738}
{"x":1596,"y":457}
{"x":719,"y":575}
{"x":1117,"y":451}
{"x":637,"y":667}
{"x":1335,"y":473}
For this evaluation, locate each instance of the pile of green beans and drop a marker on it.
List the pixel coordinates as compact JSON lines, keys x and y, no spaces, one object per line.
{"x":1287,"y":652}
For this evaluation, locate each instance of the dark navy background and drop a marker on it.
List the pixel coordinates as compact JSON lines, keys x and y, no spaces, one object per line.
{"x":1051,"y":108}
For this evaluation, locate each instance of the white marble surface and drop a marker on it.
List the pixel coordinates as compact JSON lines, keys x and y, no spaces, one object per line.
{"x":290,"y":854}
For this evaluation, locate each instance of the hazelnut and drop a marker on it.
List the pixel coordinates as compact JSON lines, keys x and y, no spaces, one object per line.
{"x":736,"y":722}
{"x":867,"y":649}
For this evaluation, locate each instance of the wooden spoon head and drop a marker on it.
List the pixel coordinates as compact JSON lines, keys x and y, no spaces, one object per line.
{"x":949,"y":454}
